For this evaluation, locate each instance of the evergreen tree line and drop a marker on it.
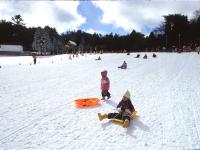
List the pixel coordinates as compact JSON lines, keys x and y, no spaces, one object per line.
{"x":175,"y":31}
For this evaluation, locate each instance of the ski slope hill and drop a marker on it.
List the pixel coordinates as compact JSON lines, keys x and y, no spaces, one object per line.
{"x":37,"y":109}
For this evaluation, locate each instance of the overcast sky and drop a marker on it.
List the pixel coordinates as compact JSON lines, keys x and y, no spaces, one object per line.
{"x":103,"y":17}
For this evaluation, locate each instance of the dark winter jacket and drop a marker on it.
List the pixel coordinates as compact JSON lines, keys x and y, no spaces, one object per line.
{"x":126,"y":107}
{"x":124,"y":65}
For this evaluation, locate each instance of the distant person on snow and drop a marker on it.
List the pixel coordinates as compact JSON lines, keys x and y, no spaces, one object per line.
{"x":123,"y":66}
{"x":34,"y":59}
{"x":105,"y":85}
{"x":145,"y":56}
{"x":198,"y":49}
{"x":154,"y":55}
{"x":70,"y":58}
{"x":99,"y":58}
{"x":138,"y":55}
{"x":125,"y":109}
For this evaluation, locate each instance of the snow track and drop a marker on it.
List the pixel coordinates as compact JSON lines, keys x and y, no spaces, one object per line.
{"x":37,"y":109}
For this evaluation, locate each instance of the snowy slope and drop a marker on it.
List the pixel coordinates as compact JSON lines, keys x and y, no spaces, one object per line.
{"x":37,"y":109}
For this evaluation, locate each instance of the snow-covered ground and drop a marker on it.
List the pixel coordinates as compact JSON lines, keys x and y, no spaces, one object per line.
{"x":37,"y":109}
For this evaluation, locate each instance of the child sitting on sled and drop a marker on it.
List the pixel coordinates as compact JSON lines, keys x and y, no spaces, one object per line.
{"x":154,"y":55}
{"x":105,"y":85}
{"x":145,"y":56}
{"x":99,"y":58}
{"x":125,"y":110}
{"x":138,"y":55}
{"x":123,"y":66}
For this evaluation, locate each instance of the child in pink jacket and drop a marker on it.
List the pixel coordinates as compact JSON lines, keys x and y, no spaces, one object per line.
{"x":105,"y":85}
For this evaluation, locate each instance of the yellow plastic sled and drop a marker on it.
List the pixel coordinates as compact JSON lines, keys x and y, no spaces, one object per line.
{"x":121,"y":122}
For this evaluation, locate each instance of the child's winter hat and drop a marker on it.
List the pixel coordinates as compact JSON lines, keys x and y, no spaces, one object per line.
{"x":104,"y":73}
{"x":127,"y":94}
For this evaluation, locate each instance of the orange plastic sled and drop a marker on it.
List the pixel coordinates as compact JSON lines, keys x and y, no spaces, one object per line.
{"x":87,"y":102}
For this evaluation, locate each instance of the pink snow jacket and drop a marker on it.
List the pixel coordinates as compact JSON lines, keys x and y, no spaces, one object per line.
{"x":105,"y":82}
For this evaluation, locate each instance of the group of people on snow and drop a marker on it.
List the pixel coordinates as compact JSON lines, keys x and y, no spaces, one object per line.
{"x":145,"y":56}
{"x":125,"y":107}
{"x":124,"y":64}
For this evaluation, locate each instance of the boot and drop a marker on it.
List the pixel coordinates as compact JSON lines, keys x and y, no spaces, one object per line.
{"x":101,"y":117}
{"x":126,"y":123}
{"x":103,"y":98}
{"x":109,"y":97}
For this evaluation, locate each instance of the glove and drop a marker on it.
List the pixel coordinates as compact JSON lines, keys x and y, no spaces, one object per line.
{"x":133,"y":115}
{"x":119,"y":110}
{"x":127,"y":111}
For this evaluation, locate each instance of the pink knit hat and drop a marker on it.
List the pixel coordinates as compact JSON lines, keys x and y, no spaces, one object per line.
{"x":104,"y":73}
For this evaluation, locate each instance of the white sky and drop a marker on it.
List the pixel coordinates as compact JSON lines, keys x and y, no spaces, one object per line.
{"x":62,"y":15}
{"x":140,"y":15}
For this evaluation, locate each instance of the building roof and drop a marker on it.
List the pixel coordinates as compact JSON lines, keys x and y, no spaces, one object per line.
{"x":71,"y":43}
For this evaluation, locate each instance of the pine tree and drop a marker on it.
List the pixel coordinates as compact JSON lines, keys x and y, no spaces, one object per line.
{"x":41,"y":41}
